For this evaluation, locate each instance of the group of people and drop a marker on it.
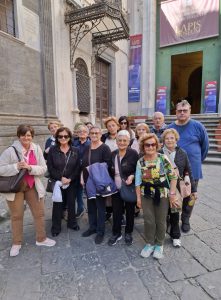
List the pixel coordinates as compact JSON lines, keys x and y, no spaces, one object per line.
{"x":153,"y":159}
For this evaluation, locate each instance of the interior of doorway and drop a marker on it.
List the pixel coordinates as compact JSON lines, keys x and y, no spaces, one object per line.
{"x":186,"y":80}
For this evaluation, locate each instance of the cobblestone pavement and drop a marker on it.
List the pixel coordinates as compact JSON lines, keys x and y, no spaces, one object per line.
{"x":76,"y":268}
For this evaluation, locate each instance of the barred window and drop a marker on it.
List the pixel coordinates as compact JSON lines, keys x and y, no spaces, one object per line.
{"x":83,"y":86}
{"x":7,"y":23}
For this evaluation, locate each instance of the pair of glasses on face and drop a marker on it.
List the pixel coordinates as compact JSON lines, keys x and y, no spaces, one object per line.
{"x":147,"y":145}
{"x":66,"y":137}
{"x":182,"y":110}
{"x":94,"y":133}
{"x":123,"y":122}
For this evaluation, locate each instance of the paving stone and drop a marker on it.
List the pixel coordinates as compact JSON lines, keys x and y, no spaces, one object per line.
{"x":192,"y":292}
{"x":3,"y":281}
{"x":93,"y":286}
{"x":198,"y":224}
{"x":179,"y":286}
{"x":211,"y":283}
{"x":212,"y":238}
{"x":151,"y":278}
{"x":172,"y":271}
{"x":173,"y":254}
{"x":59,"y":286}
{"x":209,"y":214}
{"x":125,"y":284}
{"x":86,"y":261}
{"x":204,"y":254}
{"x":57,"y":261}
{"x":5,"y":241}
{"x":191,"y":268}
{"x":25,"y":285}
{"x":82,"y":245}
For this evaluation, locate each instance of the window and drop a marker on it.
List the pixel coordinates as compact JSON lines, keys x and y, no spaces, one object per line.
{"x":7,"y":23}
{"x":83,"y":86}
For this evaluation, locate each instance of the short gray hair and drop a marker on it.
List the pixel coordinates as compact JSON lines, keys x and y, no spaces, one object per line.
{"x":124,"y":133}
{"x":183,"y":103}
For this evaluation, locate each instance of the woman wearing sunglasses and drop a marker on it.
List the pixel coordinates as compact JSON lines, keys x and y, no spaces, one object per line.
{"x":64,"y":165}
{"x":125,"y":125}
{"x":153,"y":172}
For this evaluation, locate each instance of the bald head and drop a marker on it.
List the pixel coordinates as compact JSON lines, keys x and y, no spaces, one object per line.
{"x":158,"y":119}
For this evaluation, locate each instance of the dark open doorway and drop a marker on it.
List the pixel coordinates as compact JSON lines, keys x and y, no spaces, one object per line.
{"x":186,"y":80}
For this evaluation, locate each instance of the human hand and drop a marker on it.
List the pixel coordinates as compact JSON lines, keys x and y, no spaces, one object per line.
{"x":173,"y":201}
{"x":47,"y":150}
{"x":23,"y":165}
{"x":65,"y":180}
{"x":129,"y":179}
{"x":139,"y":203}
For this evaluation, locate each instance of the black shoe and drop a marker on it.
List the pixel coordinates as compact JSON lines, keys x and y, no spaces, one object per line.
{"x":107,"y":217}
{"x":114,"y":239}
{"x":54,"y":234}
{"x":185,"y":227}
{"x":76,"y":227}
{"x":128,"y":239}
{"x":88,"y":232}
{"x":99,"y":239}
{"x":79,"y":214}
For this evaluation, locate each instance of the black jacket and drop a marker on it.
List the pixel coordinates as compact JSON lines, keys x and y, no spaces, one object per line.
{"x":128,"y":163}
{"x":182,"y":162}
{"x":56,"y":162}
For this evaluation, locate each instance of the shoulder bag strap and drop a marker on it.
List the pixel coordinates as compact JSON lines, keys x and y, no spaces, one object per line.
{"x":89,"y":155}
{"x":161,"y":159}
{"x":16,"y":151}
{"x":119,"y":166}
{"x":66,"y":162}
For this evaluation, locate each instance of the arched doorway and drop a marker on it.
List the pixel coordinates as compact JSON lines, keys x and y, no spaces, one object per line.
{"x":83,"y":86}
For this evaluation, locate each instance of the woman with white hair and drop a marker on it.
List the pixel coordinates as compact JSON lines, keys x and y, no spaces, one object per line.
{"x":127,"y":158}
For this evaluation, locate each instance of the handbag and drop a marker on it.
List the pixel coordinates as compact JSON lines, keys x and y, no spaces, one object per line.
{"x":185,"y":189}
{"x":51,"y":181}
{"x":12,"y":184}
{"x":127,"y":191}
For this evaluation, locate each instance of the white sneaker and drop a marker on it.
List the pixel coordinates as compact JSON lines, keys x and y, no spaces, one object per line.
{"x":177,"y":243}
{"x":158,"y":252}
{"x":14,"y":251}
{"x":47,"y":243}
{"x":147,"y":251}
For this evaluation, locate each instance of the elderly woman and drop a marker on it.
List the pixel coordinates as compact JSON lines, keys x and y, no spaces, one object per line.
{"x":64,"y":166}
{"x":140,"y":130}
{"x":128,"y":160}
{"x":125,"y":125}
{"x":97,"y":152}
{"x":110,"y":137}
{"x":180,"y":163}
{"x":32,"y":189}
{"x":153,"y":172}
{"x":52,"y":127}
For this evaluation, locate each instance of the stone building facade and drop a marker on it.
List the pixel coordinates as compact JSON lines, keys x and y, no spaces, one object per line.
{"x":40,"y":80}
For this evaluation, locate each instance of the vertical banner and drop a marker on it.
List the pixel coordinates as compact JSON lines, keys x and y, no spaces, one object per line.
{"x":161,"y":99}
{"x":134,"y":68}
{"x":210,"y":97}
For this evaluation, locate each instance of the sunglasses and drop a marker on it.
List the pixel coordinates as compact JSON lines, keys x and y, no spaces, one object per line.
{"x":150,"y":145}
{"x":66,"y":137}
{"x":182,"y":110}
{"x":123,"y":122}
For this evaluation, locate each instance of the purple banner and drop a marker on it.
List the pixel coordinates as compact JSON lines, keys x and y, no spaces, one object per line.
{"x":161,"y":99}
{"x":182,"y":21}
{"x":210,"y":97}
{"x":134,"y":68}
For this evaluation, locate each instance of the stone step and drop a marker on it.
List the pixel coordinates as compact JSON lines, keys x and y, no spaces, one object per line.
{"x":214,"y":153}
{"x":212,"y":160}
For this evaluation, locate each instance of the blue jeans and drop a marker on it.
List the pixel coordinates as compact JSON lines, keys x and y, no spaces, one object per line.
{"x":96,"y":214}
{"x":80,"y":203}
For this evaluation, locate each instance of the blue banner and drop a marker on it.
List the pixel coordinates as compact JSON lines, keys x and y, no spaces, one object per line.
{"x":134,"y":68}
{"x":210,"y":97}
{"x":161,"y":99}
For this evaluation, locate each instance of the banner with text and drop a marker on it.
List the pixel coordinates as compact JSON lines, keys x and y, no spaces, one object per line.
{"x":161,"y":99}
{"x":182,"y":21}
{"x":134,"y":68}
{"x":210,"y":97}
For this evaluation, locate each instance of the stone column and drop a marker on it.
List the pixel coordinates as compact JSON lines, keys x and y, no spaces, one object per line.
{"x":75,"y":111}
{"x":92,"y":113}
{"x":148,"y":57}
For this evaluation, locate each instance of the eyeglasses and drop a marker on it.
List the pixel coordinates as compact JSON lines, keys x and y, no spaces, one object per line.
{"x":182,"y":110}
{"x":141,"y":129}
{"x":123,"y":122}
{"x":94,"y":133}
{"x":66,"y":137}
{"x":82,"y":131}
{"x":150,"y":145}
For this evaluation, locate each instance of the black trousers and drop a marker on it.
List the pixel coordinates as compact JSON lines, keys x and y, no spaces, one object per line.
{"x":119,"y":206}
{"x":174,"y":225}
{"x":96,"y":214}
{"x":68,"y":197}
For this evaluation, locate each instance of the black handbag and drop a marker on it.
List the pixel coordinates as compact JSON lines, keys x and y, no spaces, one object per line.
{"x":12,"y":184}
{"x":127,"y":192}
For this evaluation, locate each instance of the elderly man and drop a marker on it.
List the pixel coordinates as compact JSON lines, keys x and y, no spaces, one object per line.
{"x":194,"y":140}
{"x":158,"y":124}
